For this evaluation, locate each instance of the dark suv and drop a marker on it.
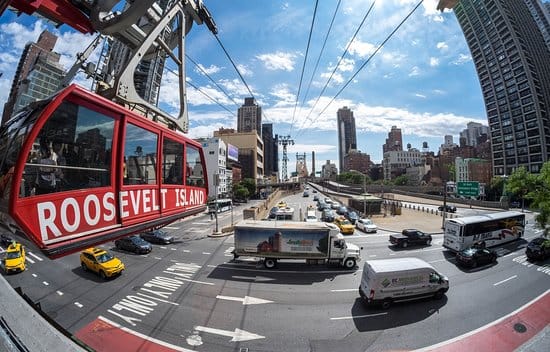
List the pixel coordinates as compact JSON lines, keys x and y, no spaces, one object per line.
{"x":134,"y":244}
{"x":327,"y":215}
{"x":448,"y":208}
{"x":410,"y":237}
{"x":538,"y":249}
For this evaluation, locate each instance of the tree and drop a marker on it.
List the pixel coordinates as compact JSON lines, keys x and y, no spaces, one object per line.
{"x":249,"y":184}
{"x":402,"y":180}
{"x":240,"y":192}
{"x":519,"y":183}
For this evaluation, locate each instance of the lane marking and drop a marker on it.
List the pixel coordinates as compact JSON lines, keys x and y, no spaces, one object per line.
{"x":503,"y":281}
{"x":78,"y":305}
{"x":35,"y":256}
{"x":171,"y":228}
{"x":186,"y":251}
{"x":59,"y":293}
{"x":34,"y":275}
{"x":345,"y":290}
{"x":359,"y":316}
{"x":173,"y":249}
{"x":159,"y":258}
{"x":207,"y":253}
{"x":45,"y":283}
{"x":145,"y":337}
{"x":30,"y":260}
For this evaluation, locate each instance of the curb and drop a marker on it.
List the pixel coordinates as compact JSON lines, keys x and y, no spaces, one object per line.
{"x":220,"y":234}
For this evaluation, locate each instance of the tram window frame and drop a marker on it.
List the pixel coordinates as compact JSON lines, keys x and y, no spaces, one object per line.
{"x":194,"y":175}
{"x":140,"y":157}
{"x":172,"y":161}
{"x":86,"y":163}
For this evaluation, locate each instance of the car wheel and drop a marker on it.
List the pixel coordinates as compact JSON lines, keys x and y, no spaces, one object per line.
{"x":404,"y":244}
{"x":494,"y":259}
{"x":349,"y":263}
{"x":270,"y":263}
{"x":102,"y":275}
{"x":429,"y":242}
{"x":439,"y":294}
{"x":83,"y":266}
{"x":386,"y":303}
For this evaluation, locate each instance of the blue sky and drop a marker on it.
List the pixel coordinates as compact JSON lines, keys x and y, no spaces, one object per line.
{"x":422,"y":80}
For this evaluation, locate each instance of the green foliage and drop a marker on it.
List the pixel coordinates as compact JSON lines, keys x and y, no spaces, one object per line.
{"x":402,"y":180}
{"x":240,"y":192}
{"x":250,"y":185}
{"x":535,"y":187}
{"x":353,"y":177}
{"x":452,"y":171}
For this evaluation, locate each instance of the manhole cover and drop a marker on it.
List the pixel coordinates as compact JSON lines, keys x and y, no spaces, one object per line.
{"x":519,"y":327}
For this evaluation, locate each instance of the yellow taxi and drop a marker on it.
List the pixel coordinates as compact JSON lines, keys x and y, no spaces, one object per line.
{"x":345,"y":226}
{"x":100,"y":262}
{"x":14,"y":261}
{"x":282,"y":204}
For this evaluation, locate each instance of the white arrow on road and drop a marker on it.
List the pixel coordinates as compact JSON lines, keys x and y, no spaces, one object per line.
{"x":237,"y":335}
{"x":246,"y":300}
{"x":253,"y":278}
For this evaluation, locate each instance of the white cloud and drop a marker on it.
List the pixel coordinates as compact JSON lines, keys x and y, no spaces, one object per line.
{"x":442,"y":46}
{"x":19,"y":35}
{"x":336,"y":77}
{"x":278,"y":61}
{"x":420,"y":95}
{"x":415,"y":71}
{"x":462,"y":59}
{"x":434,"y":61}
{"x":361,"y":49}
{"x":282,"y":92}
{"x":244,"y":70}
{"x":208,"y":70}
{"x":346,"y":65}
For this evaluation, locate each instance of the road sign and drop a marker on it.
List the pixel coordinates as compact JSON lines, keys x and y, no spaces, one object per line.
{"x":467,"y":188}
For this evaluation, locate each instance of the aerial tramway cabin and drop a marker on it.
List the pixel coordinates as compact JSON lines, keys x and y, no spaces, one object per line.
{"x":77,"y":170}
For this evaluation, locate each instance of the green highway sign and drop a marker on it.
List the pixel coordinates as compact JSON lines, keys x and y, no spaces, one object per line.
{"x":467,"y":188}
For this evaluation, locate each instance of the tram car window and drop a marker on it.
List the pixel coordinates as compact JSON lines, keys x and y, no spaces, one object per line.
{"x":140,"y":152}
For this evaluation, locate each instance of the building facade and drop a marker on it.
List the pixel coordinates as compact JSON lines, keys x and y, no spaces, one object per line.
{"x":215,"y":154}
{"x":249,"y":117}
{"x":394,"y":142}
{"x":329,"y":171}
{"x":355,"y":160}
{"x":347,"y":138}
{"x":473,"y":169}
{"x":38,"y":75}
{"x":271,"y":151}
{"x":395,"y":163}
{"x":512,"y":59}
{"x":472,"y":133}
{"x":251,"y":151}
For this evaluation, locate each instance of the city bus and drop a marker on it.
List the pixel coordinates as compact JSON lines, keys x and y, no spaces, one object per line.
{"x":492,"y":229}
{"x":223,"y":205}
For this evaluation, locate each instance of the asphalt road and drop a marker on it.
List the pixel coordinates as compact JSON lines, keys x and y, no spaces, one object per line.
{"x":192,"y":295}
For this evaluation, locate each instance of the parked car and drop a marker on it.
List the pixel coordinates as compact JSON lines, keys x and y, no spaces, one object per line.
{"x":474,"y":256}
{"x":157,"y":236}
{"x":448,"y":208}
{"x":101,"y":262}
{"x":327,"y":215}
{"x":410,"y":237}
{"x":538,"y":249}
{"x":14,"y":261}
{"x":366,"y":225}
{"x":352,"y":216}
{"x":345,"y":226}
{"x":134,"y":244}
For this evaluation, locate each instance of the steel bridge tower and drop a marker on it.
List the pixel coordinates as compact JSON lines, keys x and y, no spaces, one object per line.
{"x":284,"y":141}
{"x":301,"y":166}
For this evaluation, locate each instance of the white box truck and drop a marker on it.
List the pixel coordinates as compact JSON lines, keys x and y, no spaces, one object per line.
{"x":386,"y":281}
{"x":313,"y":241}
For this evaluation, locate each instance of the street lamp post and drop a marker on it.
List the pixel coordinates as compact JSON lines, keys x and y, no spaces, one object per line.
{"x":216,"y":185}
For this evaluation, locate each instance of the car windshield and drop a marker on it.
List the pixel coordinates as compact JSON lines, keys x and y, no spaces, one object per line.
{"x":137,"y":240}
{"x":469,"y":252}
{"x":13,"y":255}
{"x":104,"y":257}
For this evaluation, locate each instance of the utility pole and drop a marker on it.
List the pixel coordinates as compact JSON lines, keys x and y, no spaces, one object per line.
{"x":284,"y":141}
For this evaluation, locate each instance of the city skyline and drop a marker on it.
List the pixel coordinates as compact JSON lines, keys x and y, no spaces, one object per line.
{"x":423,"y":80}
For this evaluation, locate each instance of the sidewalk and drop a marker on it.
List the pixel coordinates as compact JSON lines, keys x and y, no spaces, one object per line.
{"x":410,"y":219}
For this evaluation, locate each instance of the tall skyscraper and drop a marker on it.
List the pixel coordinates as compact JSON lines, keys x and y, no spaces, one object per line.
{"x":38,"y":74}
{"x":347,"y":138}
{"x":394,"y":142}
{"x":271,"y":151}
{"x":472,"y":133}
{"x":249,"y":117}
{"x":512,"y":60}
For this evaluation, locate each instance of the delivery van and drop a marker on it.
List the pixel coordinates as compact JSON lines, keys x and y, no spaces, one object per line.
{"x":386,"y":281}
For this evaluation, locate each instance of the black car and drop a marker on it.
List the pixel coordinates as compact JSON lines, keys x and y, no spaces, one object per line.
{"x":474,"y":256}
{"x":157,"y":236}
{"x":134,"y":244}
{"x":327,"y":215}
{"x":352,"y":217}
{"x":538,"y":249}
{"x":342,"y":210}
{"x":410,"y":237}
{"x":5,"y":240}
{"x":273,"y":212}
{"x":448,"y":208}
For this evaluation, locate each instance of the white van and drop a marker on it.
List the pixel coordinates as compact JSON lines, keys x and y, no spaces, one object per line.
{"x":310,"y":215}
{"x":386,"y":281}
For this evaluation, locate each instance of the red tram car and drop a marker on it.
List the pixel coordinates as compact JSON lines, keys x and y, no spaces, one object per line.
{"x":77,"y":170}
